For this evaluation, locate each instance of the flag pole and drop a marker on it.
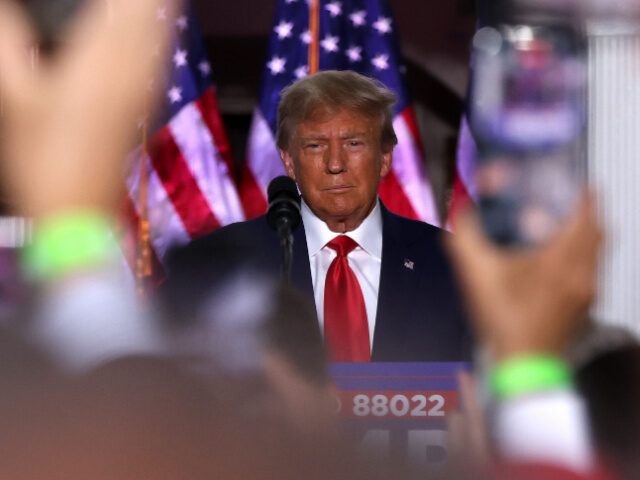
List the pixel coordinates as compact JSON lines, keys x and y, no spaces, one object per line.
{"x":143,"y":257}
{"x":314,"y":30}
{"x":143,"y":269}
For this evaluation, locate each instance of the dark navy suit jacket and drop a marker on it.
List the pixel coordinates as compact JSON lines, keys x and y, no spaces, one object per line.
{"x":419,"y":315}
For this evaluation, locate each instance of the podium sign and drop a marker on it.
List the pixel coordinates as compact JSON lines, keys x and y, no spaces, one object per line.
{"x":399,"y":409}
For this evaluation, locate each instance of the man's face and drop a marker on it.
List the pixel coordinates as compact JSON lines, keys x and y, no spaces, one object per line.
{"x":337,"y":160}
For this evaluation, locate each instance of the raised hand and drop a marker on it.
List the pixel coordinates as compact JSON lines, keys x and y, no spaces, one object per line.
{"x":529,"y":300}
{"x":68,"y":123}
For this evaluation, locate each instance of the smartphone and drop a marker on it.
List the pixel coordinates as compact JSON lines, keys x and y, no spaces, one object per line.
{"x":527,"y":112}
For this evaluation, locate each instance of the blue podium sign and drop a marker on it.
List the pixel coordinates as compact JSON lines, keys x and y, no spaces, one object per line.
{"x":399,"y":408}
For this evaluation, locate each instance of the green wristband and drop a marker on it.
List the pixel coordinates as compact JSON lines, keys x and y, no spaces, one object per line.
{"x":529,"y":374}
{"x":68,"y":241}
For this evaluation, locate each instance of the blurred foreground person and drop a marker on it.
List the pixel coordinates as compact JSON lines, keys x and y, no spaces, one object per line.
{"x":255,"y":341}
{"x":66,"y":127}
{"x":143,"y":417}
{"x":527,"y":306}
{"x":610,"y":385}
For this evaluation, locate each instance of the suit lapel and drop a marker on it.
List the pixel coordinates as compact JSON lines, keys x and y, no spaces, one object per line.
{"x":300,"y":269}
{"x":396,"y":291}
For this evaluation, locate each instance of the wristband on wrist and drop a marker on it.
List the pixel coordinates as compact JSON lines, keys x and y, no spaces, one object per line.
{"x":529,"y":374}
{"x":67,"y":241}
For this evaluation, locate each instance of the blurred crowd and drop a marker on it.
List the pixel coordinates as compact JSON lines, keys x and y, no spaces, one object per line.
{"x":201,"y":383}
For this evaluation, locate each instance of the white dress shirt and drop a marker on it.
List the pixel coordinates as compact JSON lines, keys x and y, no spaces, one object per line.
{"x":365,"y":260}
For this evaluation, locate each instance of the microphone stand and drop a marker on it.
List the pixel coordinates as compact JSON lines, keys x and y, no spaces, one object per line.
{"x":286,"y":245}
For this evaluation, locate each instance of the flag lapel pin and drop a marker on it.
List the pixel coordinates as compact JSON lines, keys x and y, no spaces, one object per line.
{"x":408,"y":264}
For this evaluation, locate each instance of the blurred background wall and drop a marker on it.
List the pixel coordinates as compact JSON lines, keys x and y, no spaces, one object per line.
{"x":614,"y":166}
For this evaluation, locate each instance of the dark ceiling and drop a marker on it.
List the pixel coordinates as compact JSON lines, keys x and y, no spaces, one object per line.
{"x":236,"y":33}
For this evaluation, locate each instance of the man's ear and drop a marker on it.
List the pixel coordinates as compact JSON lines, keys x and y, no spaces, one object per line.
{"x":387,"y":158}
{"x":287,"y":161}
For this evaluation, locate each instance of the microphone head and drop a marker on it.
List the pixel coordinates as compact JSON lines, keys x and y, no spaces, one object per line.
{"x":284,"y":203}
{"x":282,"y":185}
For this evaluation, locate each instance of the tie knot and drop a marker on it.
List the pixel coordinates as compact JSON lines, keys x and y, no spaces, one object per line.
{"x":343,"y":245}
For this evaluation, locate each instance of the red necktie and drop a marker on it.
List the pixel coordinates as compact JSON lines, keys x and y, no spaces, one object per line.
{"x":346,"y":330}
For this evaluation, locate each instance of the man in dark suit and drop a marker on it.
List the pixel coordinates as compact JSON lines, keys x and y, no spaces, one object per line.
{"x":381,"y":283}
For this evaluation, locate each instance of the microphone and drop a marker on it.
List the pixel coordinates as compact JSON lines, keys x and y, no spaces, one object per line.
{"x":283,"y":215}
{"x":284,"y":205}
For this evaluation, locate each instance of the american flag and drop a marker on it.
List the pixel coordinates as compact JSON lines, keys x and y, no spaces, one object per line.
{"x":190,"y":172}
{"x":464,"y":188}
{"x":355,"y":35}
{"x":464,"y":184}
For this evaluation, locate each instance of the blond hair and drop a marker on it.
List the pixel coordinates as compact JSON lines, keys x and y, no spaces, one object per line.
{"x":333,"y":91}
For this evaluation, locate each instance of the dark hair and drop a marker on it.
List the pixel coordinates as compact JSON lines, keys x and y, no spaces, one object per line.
{"x":610,"y":385}
{"x":333,"y":91}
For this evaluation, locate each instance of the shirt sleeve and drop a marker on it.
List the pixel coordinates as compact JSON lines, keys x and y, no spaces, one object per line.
{"x":548,"y":427}
{"x":90,"y":318}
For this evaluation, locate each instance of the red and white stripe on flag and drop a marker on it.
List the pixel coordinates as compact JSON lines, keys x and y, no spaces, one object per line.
{"x":191,"y":187}
{"x":463,"y":186}
{"x":261,"y":166}
{"x":406,"y":190}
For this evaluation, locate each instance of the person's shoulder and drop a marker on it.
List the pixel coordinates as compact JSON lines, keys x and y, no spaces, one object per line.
{"x":225,"y":242}
{"x":211,"y":262}
{"x":246,"y":230}
{"x":413,"y":229}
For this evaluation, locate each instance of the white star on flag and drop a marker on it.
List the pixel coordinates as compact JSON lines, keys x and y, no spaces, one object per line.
{"x":381,"y":62}
{"x":357,"y":18}
{"x":180,"y":58}
{"x":276,"y":65}
{"x":283,"y":29}
{"x":354,"y":54}
{"x":161,"y":13}
{"x":330,"y":44}
{"x":175,"y":94}
{"x":204,"y":67}
{"x":334,"y":9}
{"x":182,"y":23}
{"x":306,"y":37}
{"x":382,"y":25}
{"x":301,"y":72}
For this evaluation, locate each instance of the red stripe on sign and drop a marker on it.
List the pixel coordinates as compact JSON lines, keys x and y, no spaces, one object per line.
{"x":208,"y":106}
{"x":253,"y":200}
{"x":126,"y":231}
{"x":401,"y":405}
{"x":394,"y":198}
{"x":180,"y":185}
{"x":460,"y":199}
{"x":409,"y":117}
